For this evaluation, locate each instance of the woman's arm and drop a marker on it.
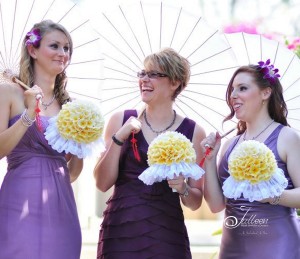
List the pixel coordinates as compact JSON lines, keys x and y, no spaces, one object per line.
{"x":11,"y":103}
{"x":288,"y":146}
{"x":191,"y":191}
{"x":75,"y":166}
{"x":213,"y":193}
{"x":107,"y":168}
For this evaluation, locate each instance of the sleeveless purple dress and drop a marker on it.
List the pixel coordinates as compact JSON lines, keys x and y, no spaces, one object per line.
{"x":143,"y":221}
{"x":254,"y":230}
{"x":38,"y":215}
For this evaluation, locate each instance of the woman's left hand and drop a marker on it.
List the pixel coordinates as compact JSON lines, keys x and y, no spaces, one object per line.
{"x":177,"y":183}
{"x":75,"y":166}
{"x":68,"y":157}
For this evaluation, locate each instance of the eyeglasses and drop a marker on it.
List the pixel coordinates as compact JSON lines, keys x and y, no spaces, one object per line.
{"x":151,"y":74}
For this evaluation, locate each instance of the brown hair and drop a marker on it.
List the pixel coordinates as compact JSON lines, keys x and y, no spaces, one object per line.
{"x":276,"y":106}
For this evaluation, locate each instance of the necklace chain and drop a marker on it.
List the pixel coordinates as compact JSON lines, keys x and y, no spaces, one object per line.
{"x":45,"y":105}
{"x":159,"y":131}
{"x":244,"y":137}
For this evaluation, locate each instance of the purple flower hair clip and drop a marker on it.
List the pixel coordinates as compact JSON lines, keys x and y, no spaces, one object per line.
{"x":270,"y":73}
{"x":33,"y":38}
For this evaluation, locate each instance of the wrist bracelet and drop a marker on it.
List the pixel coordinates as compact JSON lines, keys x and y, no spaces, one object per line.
{"x":186,"y":191}
{"x":118,"y":142}
{"x":275,"y":200}
{"x":25,"y":119}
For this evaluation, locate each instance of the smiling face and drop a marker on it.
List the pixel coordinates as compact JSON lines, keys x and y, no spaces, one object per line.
{"x":53,"y":55}
{"x":155,"y":87}
{"x":250,"y":95}
{"x":246,"y":97}
{"x":169,"y":62}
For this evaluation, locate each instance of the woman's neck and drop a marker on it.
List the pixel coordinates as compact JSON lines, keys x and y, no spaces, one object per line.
{"x":159,"y":114}
{"x":258,"y":127}
{"x":46,"y":85}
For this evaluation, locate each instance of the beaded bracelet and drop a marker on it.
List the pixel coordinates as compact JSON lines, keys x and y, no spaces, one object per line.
{"x":26,"y":121}
{"x":118,"y":142}
{"x":275,"y":200}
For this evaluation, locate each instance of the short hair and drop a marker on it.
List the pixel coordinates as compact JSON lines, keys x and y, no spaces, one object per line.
{"x":171,"y":63}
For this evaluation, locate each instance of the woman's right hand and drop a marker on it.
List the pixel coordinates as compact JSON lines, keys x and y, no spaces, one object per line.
{"x":30,"y":98}
{"x":212,"y":141}
{"x":131,"y":125}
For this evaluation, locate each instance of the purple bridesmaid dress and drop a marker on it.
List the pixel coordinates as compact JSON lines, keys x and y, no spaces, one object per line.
{"x":38,"y":215}
{"x":143,"y":221}
{"x":254,"y":230}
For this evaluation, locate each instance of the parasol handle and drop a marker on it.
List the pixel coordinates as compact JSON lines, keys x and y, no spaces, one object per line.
{"x":141,"y":113}
{"x":227,"y":133}
{"x":9,"y":75}
{"x":16,"y":80}
{"x":208,"y":148}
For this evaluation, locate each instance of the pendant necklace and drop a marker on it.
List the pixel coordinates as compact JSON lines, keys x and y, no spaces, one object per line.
{"x":159,"y":131}
{"x":46,"y":105}
{"x":244,"y":137}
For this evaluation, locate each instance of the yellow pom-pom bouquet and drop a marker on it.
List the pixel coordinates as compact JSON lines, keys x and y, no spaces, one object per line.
{"x":77,"y":129}
{"x":169,"y":154}
{"x":253,"y":173}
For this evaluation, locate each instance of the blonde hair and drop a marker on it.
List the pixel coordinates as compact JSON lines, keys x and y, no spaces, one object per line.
{"x":174,"y":65}
{"x":26,"y":74}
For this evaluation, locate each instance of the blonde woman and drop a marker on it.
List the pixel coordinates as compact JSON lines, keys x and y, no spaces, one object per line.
{"x":146,"y":221}
{"x":38,"y":216}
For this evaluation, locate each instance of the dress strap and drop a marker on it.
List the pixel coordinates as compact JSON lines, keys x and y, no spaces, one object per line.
{"x":128,"y":114}
{"x":272,"y":140}
{"x":187,"y":128}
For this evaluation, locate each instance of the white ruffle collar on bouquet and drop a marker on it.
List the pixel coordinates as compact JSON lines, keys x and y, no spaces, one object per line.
{"x":171,"y":154}
{"x":77,"y":129}
{"x":253,"y":173}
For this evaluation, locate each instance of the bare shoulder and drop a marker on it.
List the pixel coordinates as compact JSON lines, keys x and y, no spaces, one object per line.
{"x":115,"y":121}
{"x":7,"y":88}
{"x":12,"y":87}
{"x":10,"y":92}
{"x":199,"y":131}
{"x":10,"y":97}
{"x":117,"y":116}
{"x":288,"y":136}
{"x":288,"y":141}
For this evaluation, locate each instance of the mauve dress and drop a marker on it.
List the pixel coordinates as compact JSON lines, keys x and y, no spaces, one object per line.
{"x":38,"y":215}
{"x":143,"y":221}
{"x":259,"y":230}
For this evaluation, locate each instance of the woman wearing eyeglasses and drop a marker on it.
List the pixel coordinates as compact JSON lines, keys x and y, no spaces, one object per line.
{"x":146,"y":221}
